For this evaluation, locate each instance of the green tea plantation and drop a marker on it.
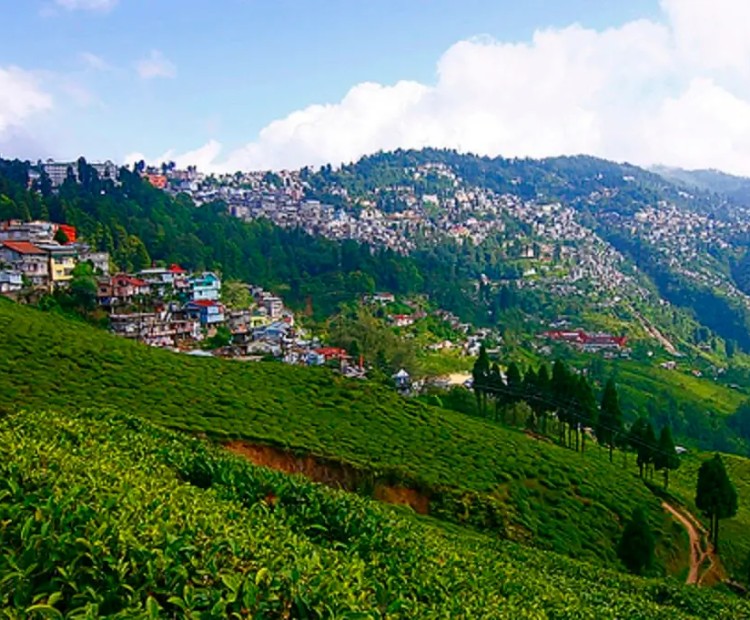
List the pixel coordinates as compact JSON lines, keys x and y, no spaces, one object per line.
{"x":103,"y":514}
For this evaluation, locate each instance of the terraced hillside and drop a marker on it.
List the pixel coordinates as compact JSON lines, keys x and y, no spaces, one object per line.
{"x":106,"y":515}
{"x":469,"y":471}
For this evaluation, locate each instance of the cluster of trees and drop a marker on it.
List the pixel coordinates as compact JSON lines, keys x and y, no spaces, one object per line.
{"x":564,"y":395}
{"x":652,"y":453}
{"x":361,"y":333}
{"x":715,"y":497}
{"x":569,"y":399}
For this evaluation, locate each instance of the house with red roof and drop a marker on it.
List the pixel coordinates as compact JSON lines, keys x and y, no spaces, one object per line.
{"x":401,"y":320}
{"x":121,"y":288}
{"x":28,"y":258}
{"x":207,"y":311}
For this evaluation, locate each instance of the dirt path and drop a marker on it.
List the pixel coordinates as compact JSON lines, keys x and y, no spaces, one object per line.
{"x":654,"y":333}
{"x":700,"y":549}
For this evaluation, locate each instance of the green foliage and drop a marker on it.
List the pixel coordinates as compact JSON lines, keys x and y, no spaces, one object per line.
{"x":53,"y":362}
{"x":665,"y":456}
{"x":235,"y":295}
{"x":715,"y":494}
{"x":82,"y":287}
{"x":735,"y":543}
{"x":361,"y":333}
{"x":636,"y":548}
{"x":222,"y":338}
{"x":105,"y":515}
{"x":740,"y":420}
{"x":610,"y":417}
{"x":61,"y":237}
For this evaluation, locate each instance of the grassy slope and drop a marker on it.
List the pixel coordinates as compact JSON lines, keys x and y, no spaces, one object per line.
{"x":686,"y":389}
{"x":550,"y":495}
{"x":106,"y":515}
{"x":734,"y":542}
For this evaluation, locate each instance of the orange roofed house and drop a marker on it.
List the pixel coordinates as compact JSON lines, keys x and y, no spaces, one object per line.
{"x":27,"y":258}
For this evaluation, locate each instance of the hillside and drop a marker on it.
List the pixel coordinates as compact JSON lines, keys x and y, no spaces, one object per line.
{"x":734,"y":543}
{"x":105,"y":515}
{"x":470,"y":471}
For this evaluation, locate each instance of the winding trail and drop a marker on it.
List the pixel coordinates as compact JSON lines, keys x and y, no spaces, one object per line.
{"x":701,"y":549}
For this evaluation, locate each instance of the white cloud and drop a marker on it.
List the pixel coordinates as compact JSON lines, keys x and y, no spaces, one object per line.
{"x":673,"y":90}
{"x":20,"y":98}
{"x":94,"y":62}
{"x":156,"y":65}
{"x":86,"y":5}
{"x":204,"y":157}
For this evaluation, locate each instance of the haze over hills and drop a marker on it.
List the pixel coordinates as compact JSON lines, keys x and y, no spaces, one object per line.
{"x":735,"y":187}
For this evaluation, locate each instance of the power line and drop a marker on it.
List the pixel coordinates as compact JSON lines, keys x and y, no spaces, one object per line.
{"x":523,"y":395}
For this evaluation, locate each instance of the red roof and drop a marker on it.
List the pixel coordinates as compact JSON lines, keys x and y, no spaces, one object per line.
{"x":23,"y":247}
{"x":331,"y":352}
{"x":205,"y":303}
{"x":128,"y":279}
{"x":176,"y":269}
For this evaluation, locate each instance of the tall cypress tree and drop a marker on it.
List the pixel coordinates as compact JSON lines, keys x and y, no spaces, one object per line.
{"x":665,"y":456}
{"x":715,"y":495}
{"x":636,"y":548}
{"x":610,"y":417}
{"x":480,"y":375}
{"x":587,"y":409}
{"x":561,"y":394}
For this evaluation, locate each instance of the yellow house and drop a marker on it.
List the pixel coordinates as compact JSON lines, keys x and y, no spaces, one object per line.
{"x":62,"y":261}
{"x":258,"y":321}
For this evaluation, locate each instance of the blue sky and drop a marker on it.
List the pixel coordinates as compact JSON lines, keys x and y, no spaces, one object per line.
{"x":119,"y":78}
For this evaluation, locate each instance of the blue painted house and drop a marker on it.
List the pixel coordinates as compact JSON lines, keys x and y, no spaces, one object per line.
{"x":205,"y":286}
{"x":207,"y":311}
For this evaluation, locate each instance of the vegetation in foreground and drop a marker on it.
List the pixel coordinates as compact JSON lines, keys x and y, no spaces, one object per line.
{"x":474,"y":472}
{"x":105,"y":514}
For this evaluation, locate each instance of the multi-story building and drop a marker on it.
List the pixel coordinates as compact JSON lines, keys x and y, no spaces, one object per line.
{"x":205,"y":286}
{"x":36,"y":232}
{"x":62,"y":261}
{"x":10,"y":281}
{"x":27,"y":258}
{"x":58,"y":171}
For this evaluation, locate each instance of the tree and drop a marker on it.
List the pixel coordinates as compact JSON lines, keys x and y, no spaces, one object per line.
{"x":83,"y":287}
{"x":715,"y":495}
{"x":497,"y":387}
{"x":235,"y":295}
{"x":480,"y":378}
{"x":665,"y":456}
{"x":61,"y":237}
{"x":636,"y":548}
{"x":587,"y":409}
{"x":739,"y":421}
{"x":541,"y":401}
{"x":561,"y":387}
{"x":610,"y":417}
{"x":642,"y":438}
{"x":514,"y":379}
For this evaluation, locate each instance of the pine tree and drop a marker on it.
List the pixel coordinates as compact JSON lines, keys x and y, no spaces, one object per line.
{"x":480,"y":375}
{"x":561,"y":395}
{"x":541,"y":404}
{"x":642,"y":439}
{"x":497,"y":388}
{"x":587,"y":409}
{"x":665,"y":456}
{"x":610,"y":417}
{"x":715,"y":495}
{"x":636,"y":548}
{"x":515,"y":382}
